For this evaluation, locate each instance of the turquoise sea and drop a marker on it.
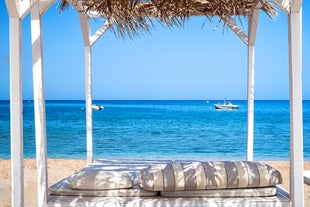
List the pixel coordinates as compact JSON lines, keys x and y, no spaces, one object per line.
{"x":159,"y":129}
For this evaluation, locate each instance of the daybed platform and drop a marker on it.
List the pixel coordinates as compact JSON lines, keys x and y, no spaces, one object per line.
{"x":307,"y":177}
{"x":154,"y":183}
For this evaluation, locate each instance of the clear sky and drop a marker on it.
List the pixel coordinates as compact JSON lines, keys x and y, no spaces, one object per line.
{"x":187,"y":63}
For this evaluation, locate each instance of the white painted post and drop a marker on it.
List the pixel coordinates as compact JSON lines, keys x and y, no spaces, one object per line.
{"x":39,"y":105}
{"x":89,"y":125}
{"x":250,"y":97}
{"x":85,"y":27}
{"x":296,"y":123}
{"x":16,"y":108}
{"x":253,"y":22}
{"x":88,"y":42}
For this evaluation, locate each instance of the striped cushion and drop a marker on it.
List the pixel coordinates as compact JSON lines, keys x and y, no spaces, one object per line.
{"x":223,"y":193}
{"x":97,"y":179}
{"x":208,"y":175}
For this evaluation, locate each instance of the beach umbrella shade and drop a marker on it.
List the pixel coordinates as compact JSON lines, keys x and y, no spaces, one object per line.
{"x":134,"y":17}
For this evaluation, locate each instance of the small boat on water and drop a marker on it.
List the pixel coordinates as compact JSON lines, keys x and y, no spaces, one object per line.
{"x":226,"y":106}
{"x":97,"y":107}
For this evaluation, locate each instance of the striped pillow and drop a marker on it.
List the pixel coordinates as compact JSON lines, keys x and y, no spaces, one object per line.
{"x":208,"y":175}
{"x":97,"y":179}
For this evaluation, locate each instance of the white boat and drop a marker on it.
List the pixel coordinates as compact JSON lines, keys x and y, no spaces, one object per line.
{"x":97,"y":107}
{"x":226,"y":105}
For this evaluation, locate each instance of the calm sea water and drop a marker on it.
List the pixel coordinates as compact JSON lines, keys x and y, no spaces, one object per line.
{"x":159,"y":129}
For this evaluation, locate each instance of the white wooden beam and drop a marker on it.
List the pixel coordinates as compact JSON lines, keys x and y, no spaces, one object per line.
{"x":253,"y":23}
{"x":45,"y":5}
{"x":88,"y":42}
{"x":236,"y":30}
{"x":250,"y":99}
{"x":25,"y":7}
{"x":39,"y":106}
{"x":89,"y":116}
{"x":296,"y":5}
{"x":252,"y":28}
{"x":12,"y":7}
{"x":85,"y":27}
{"x":17,"y":10}
{"x":284,"y":5}
{"x":99,"y":33}
{"x":16,"y":114}
{"x":296,"y":123}
{"x":76,"y":4}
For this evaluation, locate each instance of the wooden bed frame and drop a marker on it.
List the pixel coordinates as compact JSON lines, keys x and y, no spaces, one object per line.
{"x":18,"y":9}
{"x":62,"y":195}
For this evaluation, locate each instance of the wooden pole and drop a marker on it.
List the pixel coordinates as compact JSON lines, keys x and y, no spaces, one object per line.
{"x":16,"y":114}
{"x":84,"y":21}
{"x":88,"y":82}
{"x":16,"y":105}
{"x":39,"y":105}
{"x":296,"y":123}
{"x":253,"y":22}
{"x":250,"y":98}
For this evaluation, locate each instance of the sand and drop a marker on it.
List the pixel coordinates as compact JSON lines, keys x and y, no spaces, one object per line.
{"x":60,"y":168}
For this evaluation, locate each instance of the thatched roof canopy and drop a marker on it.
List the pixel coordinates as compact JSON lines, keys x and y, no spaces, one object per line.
{"x":135,"y":16}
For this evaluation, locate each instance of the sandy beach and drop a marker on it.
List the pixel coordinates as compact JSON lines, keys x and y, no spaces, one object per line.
{"x":60,"y":168}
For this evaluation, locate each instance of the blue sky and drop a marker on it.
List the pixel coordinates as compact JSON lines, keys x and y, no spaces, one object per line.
{"x":187,"y":63}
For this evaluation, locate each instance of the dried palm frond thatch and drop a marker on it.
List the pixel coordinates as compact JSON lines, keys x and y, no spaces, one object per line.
{"x":130,"y":17}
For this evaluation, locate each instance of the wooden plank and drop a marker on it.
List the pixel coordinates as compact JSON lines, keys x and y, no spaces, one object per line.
{"x":236,"y":30}
{"x":25,"y":7}
{"x":12,"y":7}
{"x":284,"y":5}
{"x":296,"y":5}
{"x":66,"y":201}
{"x":45,"y":5}
{"x":253,"y":23}
{"x":85,"y":27}
{"x":296,"y":123}
{"x":99,"y":33}
{"x":39,"y":105}
{"x":16,"y":114}
{"x":76,"y":4}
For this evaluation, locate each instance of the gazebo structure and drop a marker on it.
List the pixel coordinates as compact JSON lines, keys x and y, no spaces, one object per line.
{"x":130,"y":16}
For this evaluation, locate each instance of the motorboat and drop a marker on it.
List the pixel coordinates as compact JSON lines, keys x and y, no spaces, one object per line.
{"x":226,"y":106}
{"x":97,"y":107}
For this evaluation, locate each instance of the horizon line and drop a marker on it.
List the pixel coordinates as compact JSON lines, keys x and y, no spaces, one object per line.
{"x":156,"y":100}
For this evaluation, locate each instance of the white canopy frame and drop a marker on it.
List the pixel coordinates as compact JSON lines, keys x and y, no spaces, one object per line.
{"x":18,"y":9}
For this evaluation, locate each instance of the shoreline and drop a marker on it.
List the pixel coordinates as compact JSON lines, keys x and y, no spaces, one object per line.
{"x":61,"y":168}
{"x":210,"y":158}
